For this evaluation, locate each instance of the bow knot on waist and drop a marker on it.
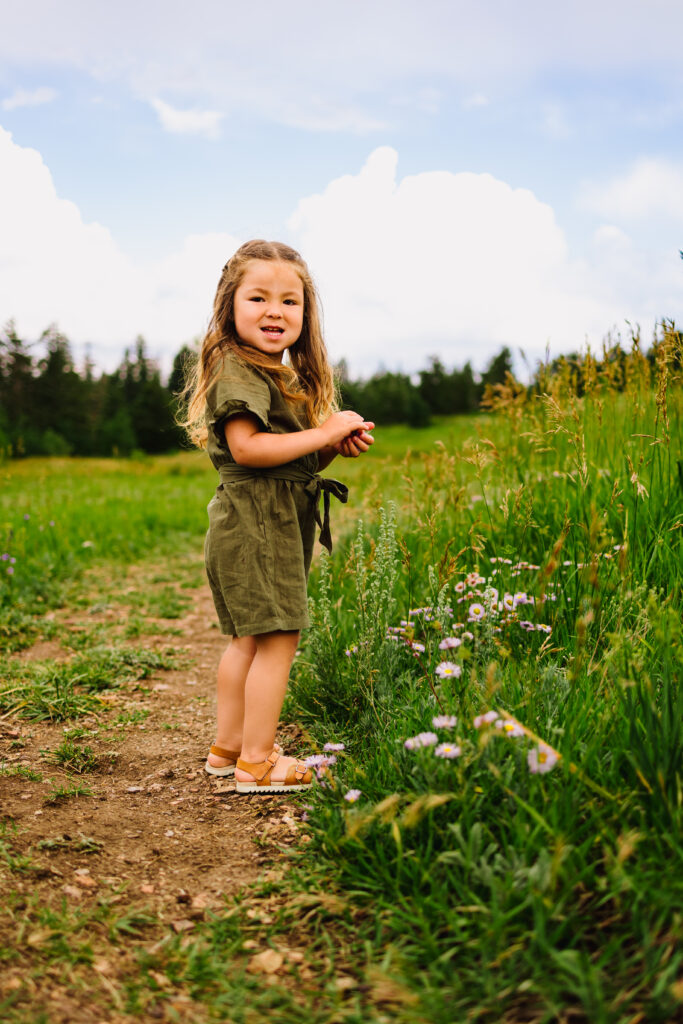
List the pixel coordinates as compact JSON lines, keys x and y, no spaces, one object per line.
{"x":314,"y":486}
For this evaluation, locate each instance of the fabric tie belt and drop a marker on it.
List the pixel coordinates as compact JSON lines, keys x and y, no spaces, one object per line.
{"x":314,"y":486}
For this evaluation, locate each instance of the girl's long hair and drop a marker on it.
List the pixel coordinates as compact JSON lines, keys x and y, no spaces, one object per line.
{"x":308,"y":381}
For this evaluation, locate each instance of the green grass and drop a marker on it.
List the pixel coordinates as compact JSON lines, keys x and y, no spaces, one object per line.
{"x":61,"y":691}
{"x":472,"y":887}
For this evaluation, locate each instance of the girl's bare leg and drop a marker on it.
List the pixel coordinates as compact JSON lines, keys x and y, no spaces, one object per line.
{"x":264,"y":693}
{"x":232,"y":676}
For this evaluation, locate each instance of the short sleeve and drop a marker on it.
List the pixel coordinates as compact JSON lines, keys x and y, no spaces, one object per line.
{"x":236,"y":389}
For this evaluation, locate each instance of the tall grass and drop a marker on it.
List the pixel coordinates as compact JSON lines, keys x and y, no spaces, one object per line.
{"x":508,"y":807}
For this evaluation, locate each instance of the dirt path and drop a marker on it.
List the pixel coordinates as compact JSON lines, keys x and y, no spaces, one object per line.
{"x":156,"y":839}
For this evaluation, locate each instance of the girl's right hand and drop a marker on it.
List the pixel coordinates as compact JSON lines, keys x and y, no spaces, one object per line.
{"x":341,"y":425}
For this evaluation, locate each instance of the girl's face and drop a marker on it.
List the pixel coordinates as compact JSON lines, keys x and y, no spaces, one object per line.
{"x":269,"y":307}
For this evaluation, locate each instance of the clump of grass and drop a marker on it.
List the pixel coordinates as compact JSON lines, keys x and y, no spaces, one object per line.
{"x":20,"y":771}
{"x":59,"y":691}
{"x":58,"y":794}
{"x":21,"y":863}
{"x":73,"y":758}
{"x":80,"y":844}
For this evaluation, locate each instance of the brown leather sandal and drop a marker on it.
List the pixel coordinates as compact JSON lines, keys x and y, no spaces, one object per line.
{"x":298,"y":776}
{"x":227,"y":769}
{"x":232,"y":755}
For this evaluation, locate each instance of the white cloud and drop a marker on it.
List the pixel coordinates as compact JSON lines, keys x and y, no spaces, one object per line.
{"x":651,"y":188}
{"x":56,"y":268}
{"x":456,"y":264}
{"x":312,"y":56}
{"x":451,"y":264}
{"x":29,"y":98}
{"x":188,"y":122}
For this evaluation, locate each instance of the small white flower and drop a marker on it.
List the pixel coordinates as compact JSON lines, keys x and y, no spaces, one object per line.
{"x":485,"y":719}
{"x":449,"y":642}
{"x":423,"y":739}
{"x":352,"y":795}
{"x":448,"y":670}
{"x":448,"y":750}
{"x":444,"y":722}
{"x":508,"y":727}
{"x":334,"y":747}
{"x":541,"y":759}
{"x":476,"y":612}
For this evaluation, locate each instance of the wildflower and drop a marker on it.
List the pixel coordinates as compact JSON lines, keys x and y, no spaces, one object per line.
{"x":423,"y":739}
{"x":528,"y":626}
{"x":352,"y":795}
{"x":351,"y":650}
{"x":444,"y":722}
{"x":467,"y":635}
{"x":542,"y":759}
{"x":4,"y":557}
{"x":334,"y":746}
{"x":88,"y":544}
{"x":10,"y":571}
{"x":26,"y":517}
{"x":447,"y":750}
{"x":473,"y":578}
{"x":418,"y":648}
{"x":542,"y":628}
{"x":12,"y":561}
{"x":508,"y":603}
{"x":51,"y":523}
{"x":321,"y":762}
{"x":459,"y":587}
{"x":448,"y":642}
{"x":476,"y":612}
{"x":485,"y":719}
{"x":507,"y":726}
{"x":447,"y":669}
{"x":521,"y":598}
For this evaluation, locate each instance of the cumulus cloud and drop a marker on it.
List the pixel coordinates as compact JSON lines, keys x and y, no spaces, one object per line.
{"x":455,"y":264}
{"x":650,"y":188}
{"x":433,"y":263}
{"x":188,"y":122}
{"x":29,"y":98}
{"x":54,"y":267}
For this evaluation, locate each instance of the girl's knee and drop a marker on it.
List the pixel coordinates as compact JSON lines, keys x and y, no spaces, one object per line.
{"x":245,"y":645}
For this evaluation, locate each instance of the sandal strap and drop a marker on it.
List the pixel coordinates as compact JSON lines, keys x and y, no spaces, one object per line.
{"x":297,"y":774}
{"x":260,"y":770}
{"x":232,"y":755}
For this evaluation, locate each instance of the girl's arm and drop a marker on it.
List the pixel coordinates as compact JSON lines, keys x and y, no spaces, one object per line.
{"x":258,"y":449}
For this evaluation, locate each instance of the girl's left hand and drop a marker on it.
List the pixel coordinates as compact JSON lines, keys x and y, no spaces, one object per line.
{"x":357,"y":443}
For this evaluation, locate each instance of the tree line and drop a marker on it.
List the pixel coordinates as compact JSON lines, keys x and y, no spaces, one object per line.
{"x":50,"y":407}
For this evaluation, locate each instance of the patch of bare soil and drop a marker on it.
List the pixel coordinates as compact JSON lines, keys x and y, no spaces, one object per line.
{"x":156,"y":837}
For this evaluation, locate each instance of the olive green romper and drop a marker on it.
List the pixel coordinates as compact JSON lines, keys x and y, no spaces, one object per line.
{"x":260,"y":539}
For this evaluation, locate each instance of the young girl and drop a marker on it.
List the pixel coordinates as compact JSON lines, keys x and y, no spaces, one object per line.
{"x":268,"y":428}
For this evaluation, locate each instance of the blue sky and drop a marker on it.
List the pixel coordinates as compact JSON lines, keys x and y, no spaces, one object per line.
{"x":458,"y":175}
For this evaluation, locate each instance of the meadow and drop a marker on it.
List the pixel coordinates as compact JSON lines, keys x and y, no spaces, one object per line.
{"x":491,"y":692}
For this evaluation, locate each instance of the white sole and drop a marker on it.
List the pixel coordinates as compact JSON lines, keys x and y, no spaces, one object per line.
{"x":253,"y":787}
{"x":221,"y":772}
